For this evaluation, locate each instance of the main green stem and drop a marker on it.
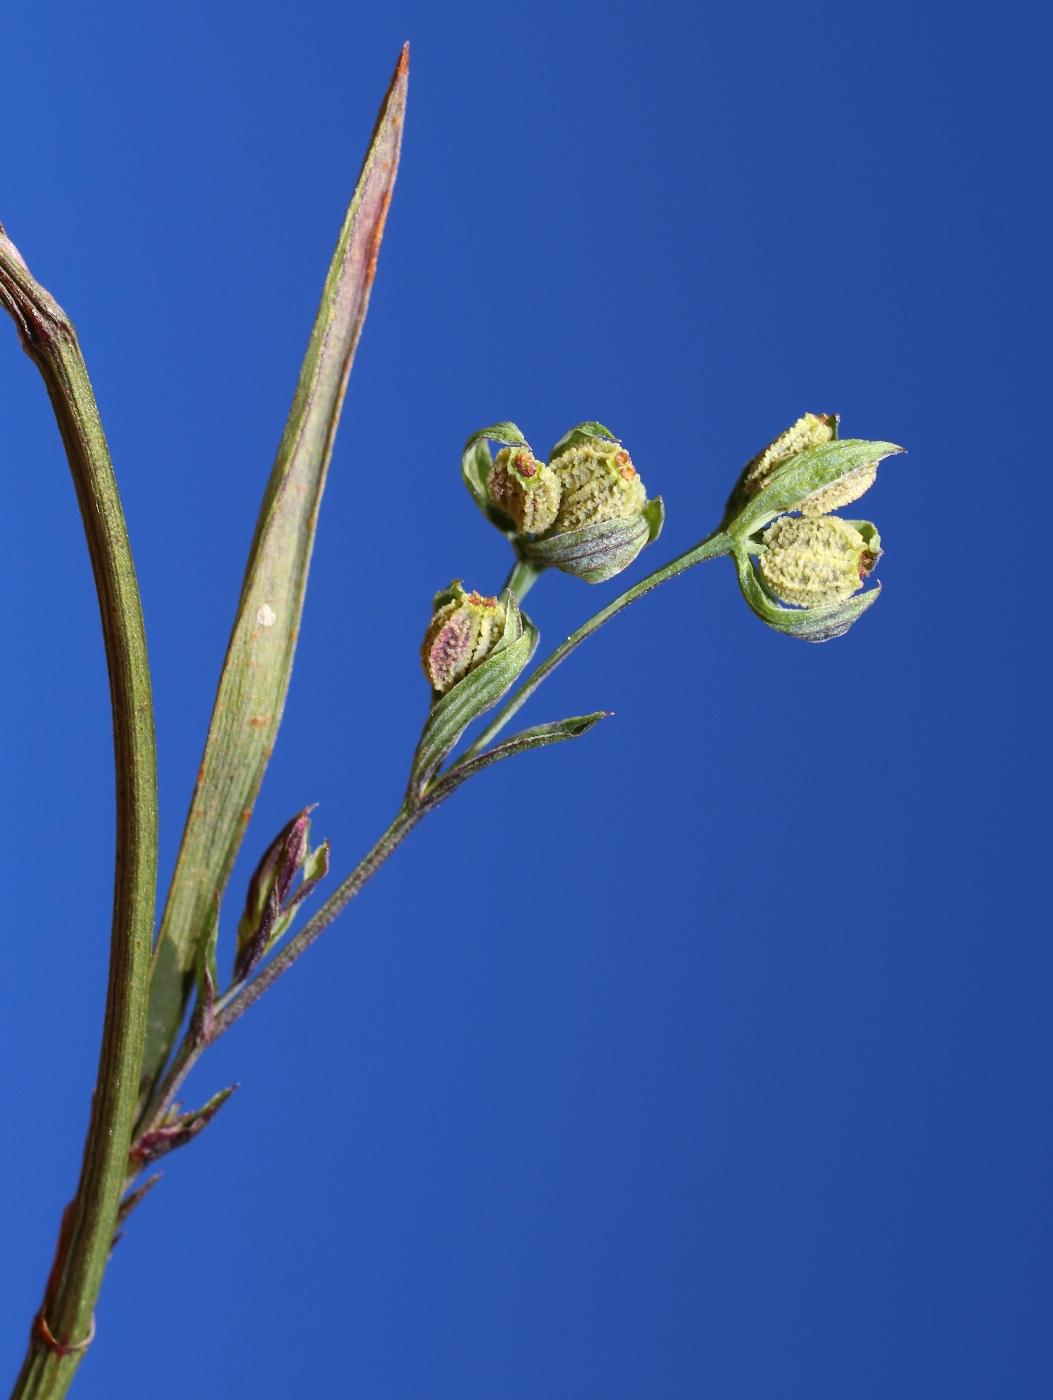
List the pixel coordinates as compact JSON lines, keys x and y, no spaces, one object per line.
{"x":65,"y":1322}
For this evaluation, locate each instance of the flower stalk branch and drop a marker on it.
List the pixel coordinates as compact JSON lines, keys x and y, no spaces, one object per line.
{"x":233,"y":1005}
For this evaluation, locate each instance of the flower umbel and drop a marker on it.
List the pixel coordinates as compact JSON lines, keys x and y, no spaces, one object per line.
{"x":462,"y":633}
{"x":810,"y":567}
{"x":816,"y":562}
{"x":584,"y":511}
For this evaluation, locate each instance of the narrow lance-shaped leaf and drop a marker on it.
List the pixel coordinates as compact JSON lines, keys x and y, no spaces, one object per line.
{"x":555,"y":732}
{"x":255,"y":675}
{"x":808,"y":472}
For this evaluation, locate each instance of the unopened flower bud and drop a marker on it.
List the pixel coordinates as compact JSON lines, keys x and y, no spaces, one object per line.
{"x":463,"y":632}
{"x":599,"y":483}
{"x":524,"y":488}
{"x":272,"y":900}
{"x":813,"y":562}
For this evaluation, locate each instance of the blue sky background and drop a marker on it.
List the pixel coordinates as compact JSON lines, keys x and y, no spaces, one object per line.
{"x":743,"y":1089}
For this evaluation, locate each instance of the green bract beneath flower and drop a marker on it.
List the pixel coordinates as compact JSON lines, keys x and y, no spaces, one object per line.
{"x":598,"y":483}
{"x":525,"y":489}
{"x":814,"y":562}
{"x":809,"y":431}
{"x":584,"y":511}
{"x":463,"y":632}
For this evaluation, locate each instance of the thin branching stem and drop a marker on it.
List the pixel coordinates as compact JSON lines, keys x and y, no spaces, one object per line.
{"x":713,"y":547}
{"x":233,"y":1005}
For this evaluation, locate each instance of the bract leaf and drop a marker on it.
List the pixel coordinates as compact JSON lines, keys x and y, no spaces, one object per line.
{"x":805,"y":474}
{"x":583,"y":432}
{"x":807,"y":624}
{"x":255,"y":675}
{"x":536,"y":738}
{"x":472,"y":696}
{"x":475,"y":468}
{"x":593,"y":553}
{"x":654,"y":514}
{"x":176,"y":1131}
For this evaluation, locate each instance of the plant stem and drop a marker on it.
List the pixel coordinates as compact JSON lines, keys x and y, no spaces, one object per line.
{"x":236,"y":1002}
{"x":714,"y":547}
{"x":523,"y":577}
{"x":65,"y":1322}
{"x":238,"y":999}
{"x":227,"y":1012}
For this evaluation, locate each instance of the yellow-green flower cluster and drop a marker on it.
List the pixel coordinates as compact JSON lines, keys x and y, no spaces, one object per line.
{"x":588,"y":484}
{"x":840,"y":493}
{"x":462,"y":633}
{"x":813,"y":561}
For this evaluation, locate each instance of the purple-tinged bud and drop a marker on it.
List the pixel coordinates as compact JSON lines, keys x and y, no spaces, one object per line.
{"x":271,"y":901}
{"x":463,"y":632}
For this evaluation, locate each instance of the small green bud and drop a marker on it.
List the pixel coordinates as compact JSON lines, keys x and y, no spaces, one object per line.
{"x":525,"y":489}
{"x":464,"y":630}
{"x":816,"y":562}
{"x":599,"y":483}
{"x":809,"y":431}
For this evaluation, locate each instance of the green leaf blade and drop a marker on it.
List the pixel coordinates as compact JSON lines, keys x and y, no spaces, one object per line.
{"x":806,"y":473}
{"x":255,"y":677}
{"x":538,"y":737}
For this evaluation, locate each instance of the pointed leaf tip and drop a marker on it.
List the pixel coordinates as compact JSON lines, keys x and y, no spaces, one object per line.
{"x":255,"y":678}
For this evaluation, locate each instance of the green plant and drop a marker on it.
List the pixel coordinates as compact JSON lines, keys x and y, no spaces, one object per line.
{"x":583,"y":510}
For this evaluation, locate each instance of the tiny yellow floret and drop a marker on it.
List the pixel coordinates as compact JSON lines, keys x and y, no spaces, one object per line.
{"x":840,"y":493}
{"x":809,"y":431}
